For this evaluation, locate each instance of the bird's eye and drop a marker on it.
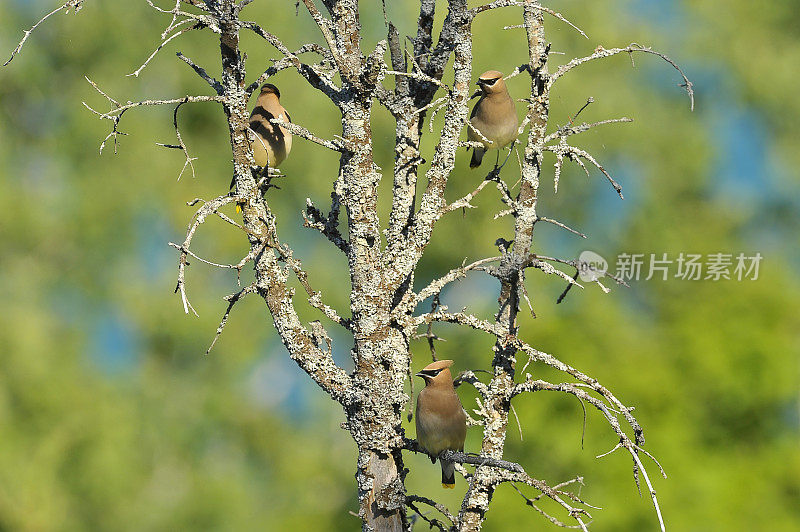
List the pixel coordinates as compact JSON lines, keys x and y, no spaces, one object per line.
{"x":490,"y":82}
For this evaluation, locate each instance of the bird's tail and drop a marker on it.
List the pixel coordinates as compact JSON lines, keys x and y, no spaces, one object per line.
{"x":448,"y":474}
{"x":477,"y":157}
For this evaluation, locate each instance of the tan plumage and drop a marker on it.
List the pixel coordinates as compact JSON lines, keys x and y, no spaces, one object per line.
{"x":495,"y":116}
{"x":440,"y":418}
{"x":272,"y":143}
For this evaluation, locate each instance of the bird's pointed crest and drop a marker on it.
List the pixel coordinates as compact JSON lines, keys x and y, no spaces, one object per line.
{"x":439,"y":364}
{"x":490,"y":75}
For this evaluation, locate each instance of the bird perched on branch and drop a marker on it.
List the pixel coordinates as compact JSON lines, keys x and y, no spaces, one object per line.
{"x":272,"y":143}
{"x":494,"y":117}
{"x":440,"y":418}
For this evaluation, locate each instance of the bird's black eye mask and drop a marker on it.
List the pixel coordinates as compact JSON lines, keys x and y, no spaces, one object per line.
{"x":488,"y":82}
{"x":429,"y":372}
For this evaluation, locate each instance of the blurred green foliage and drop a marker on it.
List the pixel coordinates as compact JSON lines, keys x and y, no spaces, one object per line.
{"x":112,"y":419}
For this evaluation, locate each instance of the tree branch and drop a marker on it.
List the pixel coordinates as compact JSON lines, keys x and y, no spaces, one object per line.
{"x":602,"y":53}
{"x":76,"y":5}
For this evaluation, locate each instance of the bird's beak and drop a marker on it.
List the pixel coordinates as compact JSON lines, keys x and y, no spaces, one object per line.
{"x":420,"y":374}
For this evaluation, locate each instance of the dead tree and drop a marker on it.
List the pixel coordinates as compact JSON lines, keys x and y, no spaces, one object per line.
{"x":385,"y":304}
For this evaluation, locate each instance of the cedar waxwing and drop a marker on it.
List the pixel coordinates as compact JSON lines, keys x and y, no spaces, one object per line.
{"x":441,"y":421}
{"x":495,"y":116}
{"x":272,"y":143}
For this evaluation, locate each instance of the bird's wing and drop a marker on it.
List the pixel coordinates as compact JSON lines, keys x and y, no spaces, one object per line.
{"x":260,"y":121}
{"x":475,"y":108}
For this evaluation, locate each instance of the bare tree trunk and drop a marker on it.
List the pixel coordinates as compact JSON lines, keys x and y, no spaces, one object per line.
{"x":510,"y":273}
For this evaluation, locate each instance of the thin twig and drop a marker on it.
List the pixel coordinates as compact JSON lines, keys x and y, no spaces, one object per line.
{"x":232,"y":300}
{"x":507,"y":3}
{"x":162,"y":44}
{"x":601,"y":53}
{"x":181,"y":145}
{"x":70,"y":4}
